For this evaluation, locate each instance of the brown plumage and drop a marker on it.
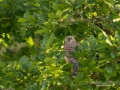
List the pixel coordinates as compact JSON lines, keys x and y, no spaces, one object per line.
{"x":69,"y":46}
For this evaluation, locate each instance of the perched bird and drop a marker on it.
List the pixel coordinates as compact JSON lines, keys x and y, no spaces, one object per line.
{"x":69,"y":46}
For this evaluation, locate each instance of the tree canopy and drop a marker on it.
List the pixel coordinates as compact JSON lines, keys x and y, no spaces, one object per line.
{"x":42,"y":26}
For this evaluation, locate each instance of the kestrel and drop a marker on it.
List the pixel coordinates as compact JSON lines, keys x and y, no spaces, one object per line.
{"x":69,"y":46}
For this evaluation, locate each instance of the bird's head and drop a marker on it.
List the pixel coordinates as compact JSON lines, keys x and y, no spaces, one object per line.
{"x":69,"y":39}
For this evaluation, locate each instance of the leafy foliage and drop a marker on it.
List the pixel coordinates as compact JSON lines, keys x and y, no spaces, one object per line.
{"x":95,"y":25}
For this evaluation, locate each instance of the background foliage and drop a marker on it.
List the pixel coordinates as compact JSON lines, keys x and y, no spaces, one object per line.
{"x":95,"y":25}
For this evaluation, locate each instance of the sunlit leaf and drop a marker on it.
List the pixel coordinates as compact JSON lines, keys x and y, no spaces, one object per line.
{"x":95,"y":14}
{"x":59,"y":13}
{"x":72,"y":1}
{"x":108,"y":41}
{"x":37,"y":5}
{"x":21,"y":20}
{"x":30,"y":41}
{"x":45,"y":30}
{"x":52,"y":15}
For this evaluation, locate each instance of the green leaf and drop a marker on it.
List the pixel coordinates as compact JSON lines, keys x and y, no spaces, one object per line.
{"x":24,"y":60}
{"x":103,"y":61}
{"x":84,"y":81}
{"x":27,"y":14}
{"x":102,"y":55}
{"x":10,"y":74}
{"x":109,"y":68}
{"x":92,"y":42}
{"x":117,"y":36}
{"x":114,"y":74}
{"x":44,"y":85}
{"x":113,"y":54}
{"x":1,"y":64}
{"x":55,"y":6}
{"x":92,"y":63}
{"x":109,"y":42}
{"x":84,"y":45}
{"x":72,"y":1}
{"x":80,"y":75}
{"x":84,"y":62}
{"x":59,"y":13}
{"x":85,"y":69}
{"x":49,"y":60}
{"x":21,"y":20}
{"x":37,"y":5}
{"x":95,"y":14}
{"x":41,"y":31}
{"x":50,"y":39}
{"x":9,"y":52}
{"x":51,"y":15}
{"x":97,"y":69}
{"x":107,"y":75}
{"x":6,"y":24}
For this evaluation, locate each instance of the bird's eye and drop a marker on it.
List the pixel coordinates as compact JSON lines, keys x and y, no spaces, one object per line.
{"x":69,"y":39}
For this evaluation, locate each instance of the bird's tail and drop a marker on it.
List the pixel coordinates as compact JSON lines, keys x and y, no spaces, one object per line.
{"x":75,"y":65}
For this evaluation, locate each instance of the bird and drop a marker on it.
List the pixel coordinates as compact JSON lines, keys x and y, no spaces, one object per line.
{"x":69,"y":46}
